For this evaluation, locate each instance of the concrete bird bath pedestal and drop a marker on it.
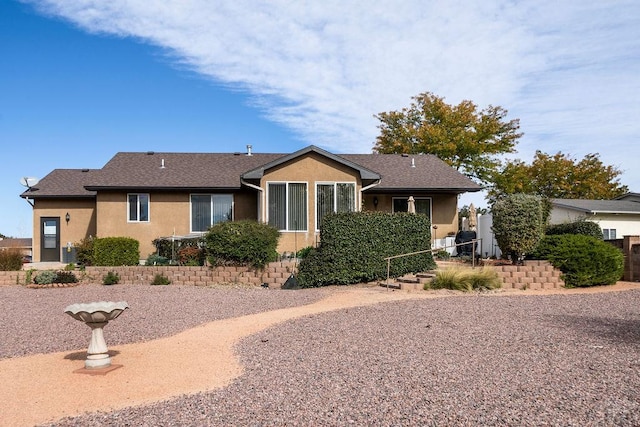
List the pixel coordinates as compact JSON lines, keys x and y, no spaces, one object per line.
{"x":96,"y":315}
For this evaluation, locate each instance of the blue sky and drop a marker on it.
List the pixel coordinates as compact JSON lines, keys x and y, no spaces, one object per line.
{"x":82,"y":80}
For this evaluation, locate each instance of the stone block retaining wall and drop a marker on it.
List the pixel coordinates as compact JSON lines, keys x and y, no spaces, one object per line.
{"x":531,"y":275}
{"x":275,"y":274}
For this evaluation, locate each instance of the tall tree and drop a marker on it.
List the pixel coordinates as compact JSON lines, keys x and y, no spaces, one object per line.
{"x":559,"y":176}
{"x":468,"y":139}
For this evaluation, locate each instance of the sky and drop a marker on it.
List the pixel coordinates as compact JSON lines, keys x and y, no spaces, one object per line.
{"x":82,"y":80}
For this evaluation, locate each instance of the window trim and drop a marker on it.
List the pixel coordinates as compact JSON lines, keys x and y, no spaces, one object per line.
{"x":306,"y":205}
{"x":133,"y":221}
{"x":233,"y":208}
{"x":335,"y":198}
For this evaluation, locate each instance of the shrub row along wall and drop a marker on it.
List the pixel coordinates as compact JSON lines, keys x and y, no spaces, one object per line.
{"x":531,"y":275}
{"x":275,"y":274}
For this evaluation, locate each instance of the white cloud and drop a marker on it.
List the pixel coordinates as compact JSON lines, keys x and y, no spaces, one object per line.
{"x":569,"y":70}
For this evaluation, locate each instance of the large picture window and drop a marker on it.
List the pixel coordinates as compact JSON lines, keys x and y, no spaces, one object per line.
{"x":210,"y":209}
{"x":423,"y":205}
{"x":138,"y":207}
{"x":334,"y":197}
{"x":287,"y":205}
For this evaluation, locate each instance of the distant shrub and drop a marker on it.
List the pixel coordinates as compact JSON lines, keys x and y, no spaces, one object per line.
{"x":160,"y":279}
{"x":586,"y":228}
{"x":192,"y":256}
{"x":442,"y":255}
{"x":111,"y":278}
{"x":84,"y":251}
{"x":170,"y":248}
{"x":465,"y":279}
{"x":155,"y":259}
{"x":10,"y":260}
{"x":45,"y":277}
{"x":583,"y":260}
{"x":242,"y":243}
{"x":116,"y":251}
{"x":65,"y":277}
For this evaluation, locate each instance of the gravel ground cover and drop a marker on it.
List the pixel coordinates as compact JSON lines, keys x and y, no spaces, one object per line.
{"x":33,"y":320}
{"x":569,"y":360}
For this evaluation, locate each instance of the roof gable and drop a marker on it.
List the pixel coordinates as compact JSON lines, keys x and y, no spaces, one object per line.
{"x":257,"y":173}
{"x":599,"y":206}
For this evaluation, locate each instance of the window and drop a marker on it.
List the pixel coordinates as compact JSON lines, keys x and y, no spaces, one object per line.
{"x":423,"y":205}
{"x":138,"y":207}
{"x":287,"y":205}
{"x":210,"y":209}
{"x":334,"y":197}
{"x":609,"y":233}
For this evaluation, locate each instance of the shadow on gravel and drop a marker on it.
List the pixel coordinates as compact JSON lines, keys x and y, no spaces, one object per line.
{"x":616,"y":330}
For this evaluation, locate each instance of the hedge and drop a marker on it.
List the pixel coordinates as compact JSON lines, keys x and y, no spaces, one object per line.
{"x":586,"y":228}
{"x":116,"y":251}
{"x":241,"y":242}
{"x":354,"y":245}
{"x":583,"y":260}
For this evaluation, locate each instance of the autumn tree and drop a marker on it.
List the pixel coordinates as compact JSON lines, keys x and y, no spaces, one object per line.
{"x":468,"y":139}
{"x":559,"y":176}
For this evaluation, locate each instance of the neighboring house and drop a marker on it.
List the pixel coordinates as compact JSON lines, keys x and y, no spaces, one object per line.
{"x":617,"y":218}
{"x":21,"y":244}
{"x":630,"y":197}
{"x":150,"y":195}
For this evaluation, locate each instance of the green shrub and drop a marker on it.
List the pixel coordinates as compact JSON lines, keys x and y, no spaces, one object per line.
{"x":116,"y":251}
{"x":10,"y":260}
{"x":160,"y":279}
{"x":84,"y":251}
{"x":45,"y":277}
{"x":465,"y":279}
{"x":170,"y":248}
{"x":304,"y":252}
{"x":155,"y":259}
{"x":442,"y":255}
{"x":241,"y":243}
{"x":111,"y":278}
{"x":354,"y":245}
{"x":65,"y":277}
{"x":518,"y":224}
{"x":192,"y":256}
{"x":586,"y":228}
{"x":583,"y":260}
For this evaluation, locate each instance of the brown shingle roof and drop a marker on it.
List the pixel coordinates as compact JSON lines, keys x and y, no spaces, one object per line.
{"x":429,"y":173}
{"x":180,"y":171}
{"x":208,"y":171}
{"x":62,"y":183}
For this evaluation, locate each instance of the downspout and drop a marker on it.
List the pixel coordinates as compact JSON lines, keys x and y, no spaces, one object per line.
{"x":261,"y":192}
{"x":363,"y":189}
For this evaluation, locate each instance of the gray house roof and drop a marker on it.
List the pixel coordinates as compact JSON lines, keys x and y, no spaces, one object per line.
{"x":225,"y":171}
{"x":594,"y":207}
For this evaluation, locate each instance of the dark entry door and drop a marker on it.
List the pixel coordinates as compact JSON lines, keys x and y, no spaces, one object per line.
{"x":50,"y":239}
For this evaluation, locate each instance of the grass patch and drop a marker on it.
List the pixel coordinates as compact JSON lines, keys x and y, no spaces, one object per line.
{"x":465,"y":279}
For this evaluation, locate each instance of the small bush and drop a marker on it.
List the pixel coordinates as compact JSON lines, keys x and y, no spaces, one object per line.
{"x":242,"y":243}
{"x":168,"y":248}
{"x":155,"y":259}
{"x":84,"y":251}
{"x":10,"y":260}
{"x":442,"y":255}
{"x":160,"y":279}
{"x":116,"y":251}
{"x":111,"y":278}
{"x":465,"y":279}
{"x":70,"y":267}
{"x":191,"y":256}
{"x":65,"y":277}
{"x":45,"y":277}
{"x":304,"y":252}
{"x":586,"y":228}
{"x":583,"y":260}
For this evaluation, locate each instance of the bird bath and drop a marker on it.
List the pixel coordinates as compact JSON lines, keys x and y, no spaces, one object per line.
{"x":96,"y":315}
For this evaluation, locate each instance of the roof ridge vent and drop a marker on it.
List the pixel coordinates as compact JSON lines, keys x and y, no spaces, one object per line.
{"x":150,"y":153}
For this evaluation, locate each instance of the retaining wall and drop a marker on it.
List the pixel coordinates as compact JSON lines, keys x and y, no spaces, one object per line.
{"x":274,"y":275}
{"x":531,"y":275}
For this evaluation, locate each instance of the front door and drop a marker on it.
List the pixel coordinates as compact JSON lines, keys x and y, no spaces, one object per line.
{"x":50,"y":239}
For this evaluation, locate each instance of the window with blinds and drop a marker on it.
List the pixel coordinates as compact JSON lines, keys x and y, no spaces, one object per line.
{"x":287,"y":205}
{"x":334,"y":197}
{"x":210,"y":209}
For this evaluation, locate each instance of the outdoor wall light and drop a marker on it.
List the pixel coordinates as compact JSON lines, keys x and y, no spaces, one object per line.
{"x":375,"y":201}
{"x":67,"y":217}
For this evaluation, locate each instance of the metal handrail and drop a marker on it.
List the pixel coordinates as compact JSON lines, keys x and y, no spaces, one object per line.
{"x":473,"y":254}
